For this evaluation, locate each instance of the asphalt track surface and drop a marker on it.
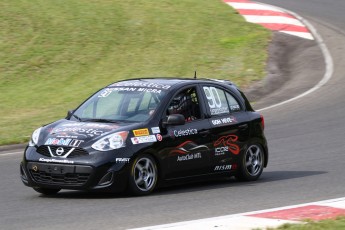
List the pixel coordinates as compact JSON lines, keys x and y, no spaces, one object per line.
{"x":306,"y":141}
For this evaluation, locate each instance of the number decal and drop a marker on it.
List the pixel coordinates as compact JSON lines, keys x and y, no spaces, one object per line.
{"x":216,"y":97}
{"x":217,"y":104}
{"x":209,"y":97}
{"x":212,"y":97}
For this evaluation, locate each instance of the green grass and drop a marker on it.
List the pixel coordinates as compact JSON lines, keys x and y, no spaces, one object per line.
{"x":56,"y":53}
{"x":338,"y":224}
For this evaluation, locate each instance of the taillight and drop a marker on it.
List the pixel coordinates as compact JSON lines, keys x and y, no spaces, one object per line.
{"x":262,"y":122}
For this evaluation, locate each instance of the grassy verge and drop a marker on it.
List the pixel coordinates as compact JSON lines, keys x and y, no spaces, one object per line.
{"x":56,"y":53}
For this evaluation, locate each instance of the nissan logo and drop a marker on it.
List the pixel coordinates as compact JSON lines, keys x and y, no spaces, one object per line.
{"x":59,"y":151}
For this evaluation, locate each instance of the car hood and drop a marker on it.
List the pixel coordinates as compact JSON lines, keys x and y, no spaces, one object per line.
{"x":77,"y":134}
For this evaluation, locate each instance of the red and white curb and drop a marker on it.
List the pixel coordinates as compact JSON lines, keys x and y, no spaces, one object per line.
{"x":271,"y":17}
{"x":270,"y":218}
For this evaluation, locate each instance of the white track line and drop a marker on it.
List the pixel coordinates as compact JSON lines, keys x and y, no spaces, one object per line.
{"x":253,"y":6}
{"x":299,"y":34}
{"x":272,"y":19}
{"x":242,"y":220}
{"x":10,"y":153}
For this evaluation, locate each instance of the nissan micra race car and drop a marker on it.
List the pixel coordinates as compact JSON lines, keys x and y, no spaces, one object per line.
{"x":141,"y":133}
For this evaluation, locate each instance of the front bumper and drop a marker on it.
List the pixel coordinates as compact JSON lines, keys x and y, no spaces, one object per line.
{"x":80,"y":175}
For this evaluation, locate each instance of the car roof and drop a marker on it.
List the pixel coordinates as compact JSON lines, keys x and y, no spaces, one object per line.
{"x":167,"y":83}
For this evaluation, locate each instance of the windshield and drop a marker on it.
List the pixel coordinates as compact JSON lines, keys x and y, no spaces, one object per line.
{"x":120,"y":104}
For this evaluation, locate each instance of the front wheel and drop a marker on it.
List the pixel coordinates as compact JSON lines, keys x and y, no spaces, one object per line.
{"x":144,"y":175}
{"x":47,"y":191}
{"x":252,"y":163}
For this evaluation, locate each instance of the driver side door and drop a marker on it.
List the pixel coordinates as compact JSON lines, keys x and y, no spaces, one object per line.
{"x":188,"y":146}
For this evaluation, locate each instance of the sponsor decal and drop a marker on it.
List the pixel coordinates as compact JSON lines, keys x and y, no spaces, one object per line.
{"x":55,"y":161}
{"x":221,"y":150}
{"x":155,"y":130}
{"x":149,"y":90}
{"x":235,"y":107}
{"x":221,"y":110}
{"x":223,"y":121}
{"x":141,"y":132}
{"x":122,"y":160}
{"x":63,"y":142}
{"x":190,"y":156}
{"x":75,"y":143}
{"x":227,"y":141}
{"x":78,"y":130}
{"x":142,"y":84}
{"x":106,"y":92}
{"x":222,"y":167}
{"x":183,"y":132}
{"x":58,"y":141}
{"x":186,"y":147}
{"x":143,"y":139}
{"x":159,"y":137}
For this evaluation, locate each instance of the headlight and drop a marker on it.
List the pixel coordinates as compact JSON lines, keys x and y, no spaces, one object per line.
{"x":34,"y":137}
{"x":112,"y":141}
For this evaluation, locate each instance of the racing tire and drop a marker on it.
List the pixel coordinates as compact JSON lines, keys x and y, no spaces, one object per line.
{"x":143,"y":176}
{"x":47,"y":191}
{"x":252,"y":163}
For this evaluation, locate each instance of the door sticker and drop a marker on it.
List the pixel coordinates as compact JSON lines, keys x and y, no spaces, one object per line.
{"x":229,"y":142}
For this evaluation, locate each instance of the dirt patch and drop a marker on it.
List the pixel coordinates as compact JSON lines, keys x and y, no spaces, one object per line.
{"x":294,"y":66}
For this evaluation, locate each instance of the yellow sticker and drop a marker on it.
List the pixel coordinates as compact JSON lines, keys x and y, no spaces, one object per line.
{"x":141,"y":132}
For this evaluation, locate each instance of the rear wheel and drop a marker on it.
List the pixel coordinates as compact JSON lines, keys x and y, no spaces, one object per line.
{"x":143,"y":176}
{"x":47,"y":191}
{"x":252,"y":163}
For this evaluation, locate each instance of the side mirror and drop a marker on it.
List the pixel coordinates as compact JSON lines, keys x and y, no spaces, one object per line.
{"x":69,"y":113}
{"x":175,"y":119}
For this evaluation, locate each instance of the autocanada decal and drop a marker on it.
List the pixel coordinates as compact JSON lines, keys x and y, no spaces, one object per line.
{"x":226,"y":144}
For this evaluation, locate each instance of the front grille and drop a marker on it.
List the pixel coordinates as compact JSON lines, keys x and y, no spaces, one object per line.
{"x":77,"y":152}
{"x":61,"y":179}
{"x":59,"y":174}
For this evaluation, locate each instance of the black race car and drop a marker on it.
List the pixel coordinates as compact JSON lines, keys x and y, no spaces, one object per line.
{"x":137,"y":134}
